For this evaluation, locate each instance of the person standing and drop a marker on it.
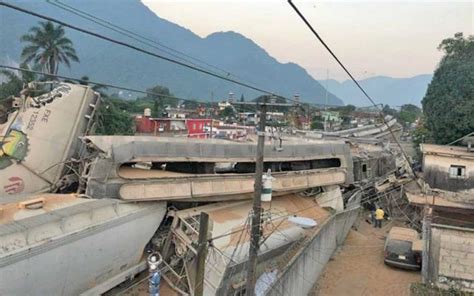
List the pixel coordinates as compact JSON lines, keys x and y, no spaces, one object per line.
{"x":371,"y":207}
{"x":379,"y":214}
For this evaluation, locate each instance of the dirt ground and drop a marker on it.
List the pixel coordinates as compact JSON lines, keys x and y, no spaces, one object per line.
{"x":357,"y":268}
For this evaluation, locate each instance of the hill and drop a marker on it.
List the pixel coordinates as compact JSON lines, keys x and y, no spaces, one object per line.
{"x":109,"y":63}
{"x":385,"y":90}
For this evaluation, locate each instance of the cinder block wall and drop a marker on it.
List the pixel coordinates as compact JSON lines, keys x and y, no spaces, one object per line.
{"x":452,"y":258}
{"x":304,"y":270}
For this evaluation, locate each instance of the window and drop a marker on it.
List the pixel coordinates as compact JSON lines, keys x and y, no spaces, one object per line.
{"x":364,"y":168}
{"x":457,"y":171}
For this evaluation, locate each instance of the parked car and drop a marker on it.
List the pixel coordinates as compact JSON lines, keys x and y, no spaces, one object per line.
{"x":403,"y":248}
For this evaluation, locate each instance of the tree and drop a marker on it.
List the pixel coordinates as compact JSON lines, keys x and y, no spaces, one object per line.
{"x":317,"y":123}
{"x":448,"y":105}
{"x":389,"y":111}
{"x":228,"y":112}
{"x":242,"y":99}
{"x":84,"y":80}
{"x":347,"y":109}
{"x":420,"y":135}
{"x":112,"y":119}
{"x":157,"y":101}
{"x":48,"y":46}
{"x":408,"y":113}
{"x":16,"y":81}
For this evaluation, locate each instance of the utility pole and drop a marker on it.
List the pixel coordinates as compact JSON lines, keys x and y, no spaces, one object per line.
{"x":201,"y":254}
{"x":426,"y":236}
{"x":257,"y":209}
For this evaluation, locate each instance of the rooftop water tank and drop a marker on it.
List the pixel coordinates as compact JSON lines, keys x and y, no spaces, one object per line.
{"x":147,"y":112}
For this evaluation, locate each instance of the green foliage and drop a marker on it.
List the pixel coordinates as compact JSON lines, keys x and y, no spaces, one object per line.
{"x":317,"y":125}
{"x":419,"y":289}
{"x":157,"y":101}
{"x":48,"y":46}
{"x":241,"y":107}
{"x":15,"y":82}
{"x":84,"y":80}
{"x":116,"y":115}
{"x":408,"y":113}
{"x":113,"y":118}
{"x":387,"y":110}
{"x":448,"y":105}
{"x":344,"y":109}
{"x":228,"y":112}
{"x":420,"y":135}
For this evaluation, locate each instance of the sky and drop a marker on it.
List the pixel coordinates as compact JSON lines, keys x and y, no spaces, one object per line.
{"x":390,"y":38}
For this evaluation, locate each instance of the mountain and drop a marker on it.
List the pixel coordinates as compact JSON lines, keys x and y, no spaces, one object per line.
{"x":109,"y":63}
{"x":385,"y":90}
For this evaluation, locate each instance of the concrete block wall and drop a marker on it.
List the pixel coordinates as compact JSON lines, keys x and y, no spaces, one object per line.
{"x":306,"y":267}
{"x":452,"y":254}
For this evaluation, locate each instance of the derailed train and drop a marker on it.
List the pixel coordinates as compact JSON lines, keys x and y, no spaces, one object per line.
{"x":78,"y":210}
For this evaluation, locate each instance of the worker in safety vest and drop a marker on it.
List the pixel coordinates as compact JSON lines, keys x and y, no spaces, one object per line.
{"x":379,"y":214}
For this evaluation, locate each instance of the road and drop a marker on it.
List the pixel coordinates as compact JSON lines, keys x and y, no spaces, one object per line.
{"x":357,"y":268}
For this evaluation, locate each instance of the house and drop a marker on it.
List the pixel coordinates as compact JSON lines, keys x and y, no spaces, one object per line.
{"x":448,"y":168}
{"x":330,"y":116}
{"x":304,"y":122}
{"x":177,"y":113}
{"x":224,"y":104}
{"x":192,"y":127}
{"x":248,"y":118}
{"x":232,"y":131}
{"x":276,"y":116}
{"x":447,"y":197}
{"x":163,"y":126}
{"x":371,"y":162}
{"x":198,"y":127}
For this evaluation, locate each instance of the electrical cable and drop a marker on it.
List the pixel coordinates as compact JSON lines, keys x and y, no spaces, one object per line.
{"x":100,"y":83}
{"x":137,"y":37}
{"x":147,"y":52}
{"x":303,"y":18}
{"x":363,"y":201}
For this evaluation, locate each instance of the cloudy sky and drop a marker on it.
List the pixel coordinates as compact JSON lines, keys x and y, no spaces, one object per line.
{"x":393,"y":38}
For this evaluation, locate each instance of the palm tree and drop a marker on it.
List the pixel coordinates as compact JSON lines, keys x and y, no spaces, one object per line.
{"x":48,"y":47}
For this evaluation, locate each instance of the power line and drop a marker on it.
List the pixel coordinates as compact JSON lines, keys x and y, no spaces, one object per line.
{"x":303,"y":18}
{"x":140,"y":38}
{"x":98,"y":83}
{"x":118,"y":42}
{"x":329,"y":50}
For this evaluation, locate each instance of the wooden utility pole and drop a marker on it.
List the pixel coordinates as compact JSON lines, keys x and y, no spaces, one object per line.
{"x":426,"y":236}
{"x":201,"y":254}
{"x":256,"y":210}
